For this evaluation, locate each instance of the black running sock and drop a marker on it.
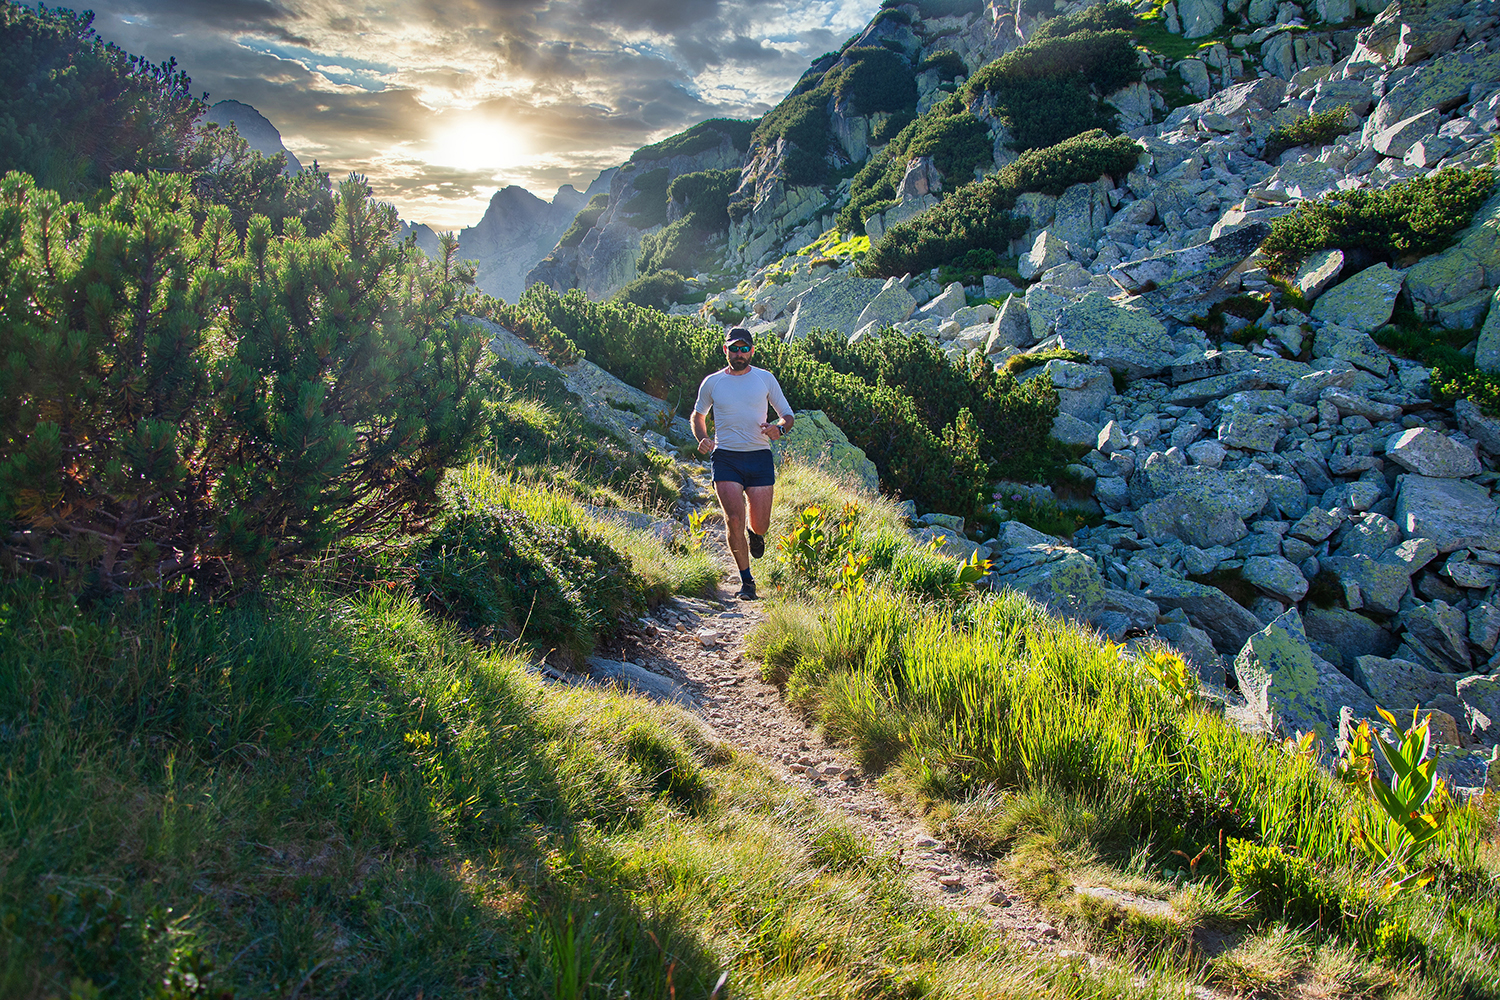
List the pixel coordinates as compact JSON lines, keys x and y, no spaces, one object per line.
{"x":745,"y":577}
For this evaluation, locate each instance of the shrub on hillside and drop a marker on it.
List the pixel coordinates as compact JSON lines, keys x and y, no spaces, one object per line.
{"x":1314,"y":130}
{"x":700,"y":138}
{"x":648,"y":206}
{"x":1042,"y":113}
{"x":75,"y":109}
{"x":1398,"y":224}
{"x":1113,"y":16}
{"x":956,"y":140}
{"x":500,"y":572}
{"x":1082,"y":158}
{"x":174,"y":404}
{"x":876,"y":80}
{"x":584,"y":220}
{"x":657,"y":289}
{"x":976,"y":216}
{"x":801,"y":121}
{"x":948,"y":63}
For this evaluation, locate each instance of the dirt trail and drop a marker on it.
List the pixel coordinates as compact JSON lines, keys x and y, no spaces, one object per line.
{"x":700,"y":644}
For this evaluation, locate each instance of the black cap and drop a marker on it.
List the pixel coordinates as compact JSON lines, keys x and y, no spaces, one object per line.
{"x":738,"y":334}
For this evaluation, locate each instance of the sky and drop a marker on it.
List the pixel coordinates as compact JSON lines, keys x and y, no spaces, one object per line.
{"x":442,"y":102}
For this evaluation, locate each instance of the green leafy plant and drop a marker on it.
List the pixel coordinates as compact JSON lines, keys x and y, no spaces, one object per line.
{"x":1280,"y":884}
{"x":1415,"y":809}
{"x":1172,"y":674}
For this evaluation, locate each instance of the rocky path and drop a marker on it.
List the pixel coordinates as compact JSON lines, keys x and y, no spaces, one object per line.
{"x":700,"y":645}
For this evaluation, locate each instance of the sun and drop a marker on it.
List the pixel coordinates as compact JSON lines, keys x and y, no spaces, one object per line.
{"x":476,"y":143}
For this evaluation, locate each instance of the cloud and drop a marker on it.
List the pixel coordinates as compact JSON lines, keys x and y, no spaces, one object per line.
{"x":383,"y":88}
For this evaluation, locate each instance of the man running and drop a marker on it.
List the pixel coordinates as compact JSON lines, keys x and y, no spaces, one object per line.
{"x":743,"y":471}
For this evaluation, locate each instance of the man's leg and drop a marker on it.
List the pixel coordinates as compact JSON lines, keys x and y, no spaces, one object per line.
{"x":760,"y":507}
{"x":732,"y":502}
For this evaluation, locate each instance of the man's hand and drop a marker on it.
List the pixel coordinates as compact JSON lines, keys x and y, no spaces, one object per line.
{"x":705,"y":445}
{"x":766,"y":427}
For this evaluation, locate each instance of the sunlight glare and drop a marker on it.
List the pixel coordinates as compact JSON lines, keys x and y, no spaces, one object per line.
{"x":477,"y":144}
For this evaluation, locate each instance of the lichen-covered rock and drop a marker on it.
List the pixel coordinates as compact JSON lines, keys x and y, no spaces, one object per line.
{"x":1400,"y":685}
{"x":891,"y":305}
{"x":818,"y":441}
{"x":1125,"y":340}
{"x":1318,"y":272}
{"x":1481,"y":700}
{"x":835,"y":303}
{"x":1185,"y":279}
{"x":1197,"y":648}
{"x":1349,"y":632}
{"x":1363,"y":302}
{"x":1431,"y":453}
{"x":1250,"y":431}
{"x":1377,"y":584}
{"x":1441,"y":632}
{"x":1400,"y":137}
{"x":1276,"y":576}
{"x":1487,"y":353}
{"x":1209,"y":608}
{"x":1011,"y":328}
{"x":1292,"y":688}
{"x":1047,"y":251}
{"x":1200,"y":17}
{"x":1073,"y":432}
{"x":1189,"y":519}
{"x":1082,"y":390}
{"x":1068,"y":583}
{"x":1461,"y":270}
{"x":1454,"y":513}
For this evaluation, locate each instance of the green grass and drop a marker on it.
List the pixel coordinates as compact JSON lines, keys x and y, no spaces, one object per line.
{"x":1031,"y":741}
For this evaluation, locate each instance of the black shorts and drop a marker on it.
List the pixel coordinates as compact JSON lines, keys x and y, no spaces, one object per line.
{"x":748,"y":468}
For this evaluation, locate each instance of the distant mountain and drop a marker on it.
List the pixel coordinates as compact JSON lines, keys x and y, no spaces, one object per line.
{"x":256,"y":130}
{"x":518,"y":229}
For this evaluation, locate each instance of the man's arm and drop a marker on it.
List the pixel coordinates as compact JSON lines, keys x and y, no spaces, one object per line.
{"x":700,"y":431}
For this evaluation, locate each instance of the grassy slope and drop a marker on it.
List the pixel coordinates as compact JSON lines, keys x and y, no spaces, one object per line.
{"x":1034,"y":743}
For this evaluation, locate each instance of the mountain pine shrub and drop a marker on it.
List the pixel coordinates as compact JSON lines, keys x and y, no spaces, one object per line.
{"x":1085,"y":157}
{"x":75,"y":109}
{"x":175,"y":404}
{"x":700,"y":138}
{"x":1314,"y":130}
{"x":584,"y":220}
{"x":1398,"y":224}
{"x":648,"y":206}
{"x":976,"y":216}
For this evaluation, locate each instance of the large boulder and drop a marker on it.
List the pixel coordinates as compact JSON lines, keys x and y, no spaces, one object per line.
{"x":1061,"y":578}
{"x":1185,"y":281}
{"x":1369,"y":582}
{"x":1351,"y":634}
{"x":1208,"y":608}
{"x":1189,"y":519}
{"x":1292,"y":688}
{"x":1129,"y":341}
{"x":835,"y":303}
{"x":1200,"y":17}
{"x":891,"y":305}
{"x":1487,"y":353}
{"x":1276,"y":576}
{"x":1461,"y":270}
{"x":816,"y":440}
{"x":1431,"y":453}
{"x":1454,"y":513}
{"x":1481,"y":700}
{"x":1363,"y":302}
{"x":1082,"y":390}
{"x":1401,"y":685}
{"x":1012,"y":327}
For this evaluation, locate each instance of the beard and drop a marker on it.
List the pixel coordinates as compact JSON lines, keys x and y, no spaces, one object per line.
{"x":739,"y":362}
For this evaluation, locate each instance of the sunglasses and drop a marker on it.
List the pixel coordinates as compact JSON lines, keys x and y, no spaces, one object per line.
{"x":740,"y":348}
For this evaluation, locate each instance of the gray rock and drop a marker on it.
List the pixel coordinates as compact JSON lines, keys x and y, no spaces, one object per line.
{"x":1400,"y":137}
{"x":1363,"y":302}
{"x":1137,"y":610}
{"x":1112,"y":492}
{"x":1352,"y":404}
{"x":1251,"y":432}
{"x":1487,"y":354}
{"x":1473,"y":422}
{"x":1190,"y":520}
{"x":1012,"y":328}
{"x":1181,"y":280}
{"x":1400,"y":685}
{"x":1292,"y":688}
{"x":820,"y":442}
{"x":1200,"y":17}
{"x":1208,"y":453}
{"x":1307,"y":388}
{"x":1454,"y":513}
{"x":1042,"y":308}
{"x":1276,"y":576}
{"x":1442,"y":631}
{"x":1379,"y":585}
{"x":1371,"y":535}
{"x":1082,"y":390}
{"x":1073,"y":432}
{"x":1196,"y":648}
{"x":1083,"y":211}
{"x":641,"y":680}
{"x":1316,"y":525}
{"x":1018,"y":535}
{"x":1352,"y":634}
{"x":1431,"y":453}
{"x":946,"y":304}
{"x":1125,"y":340}
{"x":892,"y":304}
{"x":1194,"y":74}
{"x":1208,"y":608}
{"x":1347,"y":344}
{"x":1484,"y":626}
{"x":1465,"y":572}
{"x":1413,"y":554}
{"x":1318,"y":272}
{"x":1481,"y":700}
{"x":1111,"y":438}
{"x":1068,"y":583}
{"x":835,"y":303}
{"x":1047,"y":251}
{"x":1461,"y":270}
